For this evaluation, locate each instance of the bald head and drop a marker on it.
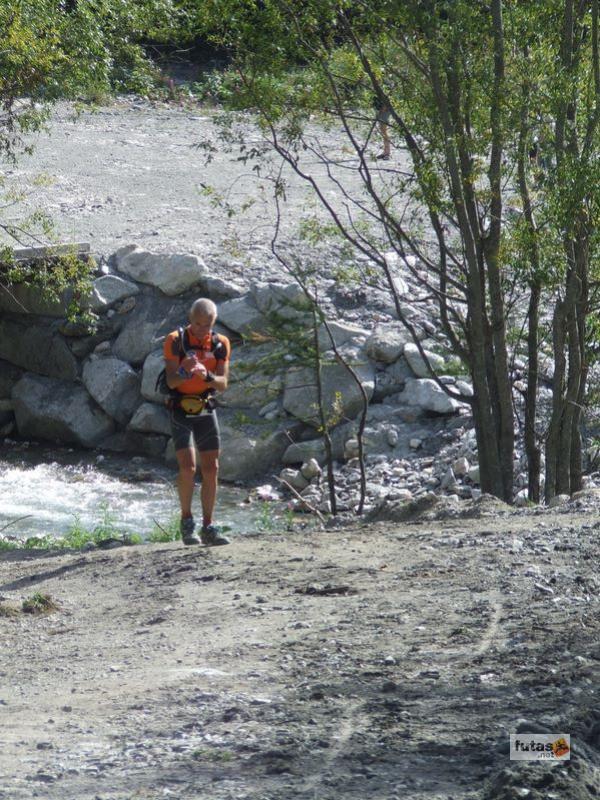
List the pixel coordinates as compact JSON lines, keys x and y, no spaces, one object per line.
{"x":203,"y":307}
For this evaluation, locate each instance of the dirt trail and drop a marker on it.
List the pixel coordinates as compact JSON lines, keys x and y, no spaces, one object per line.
{"x":388,"y":661}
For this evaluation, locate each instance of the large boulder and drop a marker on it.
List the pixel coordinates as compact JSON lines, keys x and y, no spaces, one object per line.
{"x":427,"y":395}
{"x":341,"y":334}
{"x":242,"y":316}
{"x":114,"y":385}
{"x":146,"y":327}
{"x":37,"y":348}
{"x":109,"y":290}
{"x":150,"y":418}
{"x":153,"y":366}
{"x":60,"y":411}
{"x":341,"y":396}
{"x":417,"y":364}
{"x":253,"y":380}
{"x":246,"y":456}
{"x":392,"y":379}
{"x":219,"y":288}
{"x":387,"y":342}
{"x":9,"y":375}
{"x":22,"y":299}
{"x":252,"y":390}
{"x":285,"y":300}
{"x":151,"y":445}
{"x":172,"y":274}
{"x":301,"y":452}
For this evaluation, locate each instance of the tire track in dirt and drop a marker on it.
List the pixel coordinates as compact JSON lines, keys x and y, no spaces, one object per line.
{"x":349,"y":723}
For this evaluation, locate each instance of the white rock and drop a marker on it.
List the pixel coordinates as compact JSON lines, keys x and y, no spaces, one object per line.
{"x":351,"y":449}
{"x":464,"y":388}
{"x":153,"y":365}
{"x":415,"y":443}
{"x":172,"y":274}
{"x":311,"y":469}
{"x":108,"y":290}
{"x":341,"y":333}
{"x":416,"y":363}
{"x":341,"y":396}
{"x":401,"y":494}
{"x":219,"y":288}
{"x":58,"y":410}
{"x":114,"y":385}
{"x":150,"y":418}
{"x":521,"y":498}
{"x":295,"y":478}
{"x":425,"y":393}
{"x":400,"y":285}
{"x":473,"y":473}
{"x":387,"y":342}
{"x":449,"y":480}
{"x":241,"y":315}
{"x":288,"y":300}
{"x":460,"y":466}
{"x":392,"y":437}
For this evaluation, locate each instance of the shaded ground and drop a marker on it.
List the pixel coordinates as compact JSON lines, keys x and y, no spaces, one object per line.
{"x":385,"y":661}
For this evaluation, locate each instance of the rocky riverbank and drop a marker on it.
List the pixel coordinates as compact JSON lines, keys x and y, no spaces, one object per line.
{"x":162,"y":236}
{"x":385,"y":661}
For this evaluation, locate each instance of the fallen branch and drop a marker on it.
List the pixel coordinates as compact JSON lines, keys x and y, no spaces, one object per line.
{"x":304,"y":502}
{"x":160,"y":527}
{"x":14,"y":521}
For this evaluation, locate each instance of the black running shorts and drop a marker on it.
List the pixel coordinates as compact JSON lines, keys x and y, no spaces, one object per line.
{"x":202,"y":431}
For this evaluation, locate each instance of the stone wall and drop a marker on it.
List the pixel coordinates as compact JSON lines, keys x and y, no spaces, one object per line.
{"x":60,"y":383}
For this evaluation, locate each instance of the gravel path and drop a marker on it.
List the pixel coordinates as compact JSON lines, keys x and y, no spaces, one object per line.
{"x":387,"y":661}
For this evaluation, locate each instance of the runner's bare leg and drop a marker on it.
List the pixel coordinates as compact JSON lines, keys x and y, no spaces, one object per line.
{"x":186,"y":460}
{"x":209,"y":469}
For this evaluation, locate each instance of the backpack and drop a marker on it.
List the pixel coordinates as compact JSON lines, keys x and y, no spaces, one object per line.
{"x":218,"y":349}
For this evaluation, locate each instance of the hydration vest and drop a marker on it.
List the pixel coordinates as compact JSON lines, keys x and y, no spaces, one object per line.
{"x":217,"y":347}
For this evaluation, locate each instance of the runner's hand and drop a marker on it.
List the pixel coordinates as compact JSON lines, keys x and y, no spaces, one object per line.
{"x":192,"y":366}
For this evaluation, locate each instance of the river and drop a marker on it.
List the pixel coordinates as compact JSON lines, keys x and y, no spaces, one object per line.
{"x":49,"y":490}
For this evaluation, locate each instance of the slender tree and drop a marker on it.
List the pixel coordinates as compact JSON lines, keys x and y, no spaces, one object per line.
{"x":472,"y":90}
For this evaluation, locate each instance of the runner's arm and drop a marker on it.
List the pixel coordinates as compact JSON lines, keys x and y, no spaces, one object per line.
{"x":221,"y":378}
{"x":174,"y":379}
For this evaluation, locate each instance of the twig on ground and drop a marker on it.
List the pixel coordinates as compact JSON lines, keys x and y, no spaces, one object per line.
{"x":304,"y":502}
{"x":160,"y":527}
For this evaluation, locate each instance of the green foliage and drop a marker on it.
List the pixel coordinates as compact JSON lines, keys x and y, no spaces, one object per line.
{"x":216,"y":87}
{"x":53,"y":276}
{"x":212,"y":755}
{"x":163,"y":534}
{"x":77,"y":536}
{"x":270,"y":518}
{"x":46,"y":53}
{"x":39,"y":603}
{"x":266,"y":520}
{"x":7,"y":544}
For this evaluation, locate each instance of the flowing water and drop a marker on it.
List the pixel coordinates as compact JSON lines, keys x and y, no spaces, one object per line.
{"x":49,"y":491}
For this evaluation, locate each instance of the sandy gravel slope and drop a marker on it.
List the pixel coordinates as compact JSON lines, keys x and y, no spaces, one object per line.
{"x":387,"y":661}
{"x":133,"y":173}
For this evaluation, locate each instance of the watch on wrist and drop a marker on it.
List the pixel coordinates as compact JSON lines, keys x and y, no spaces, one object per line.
{"x":210,"y":376}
